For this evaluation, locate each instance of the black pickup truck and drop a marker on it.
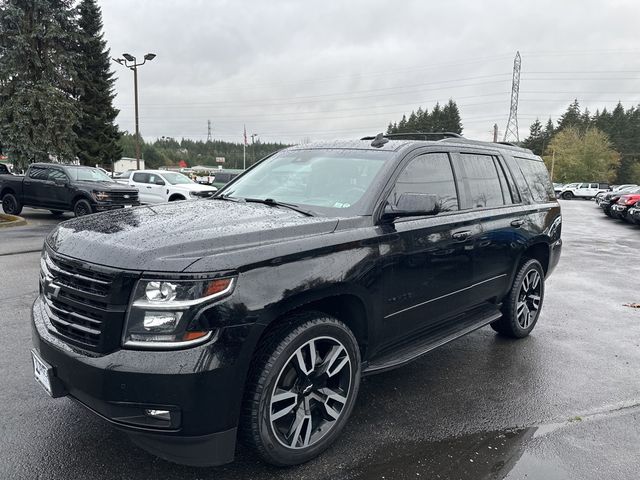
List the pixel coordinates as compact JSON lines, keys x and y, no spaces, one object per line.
{"x":59,"y":188}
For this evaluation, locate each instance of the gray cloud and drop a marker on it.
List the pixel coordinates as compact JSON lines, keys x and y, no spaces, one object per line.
{"x":291,"y":69}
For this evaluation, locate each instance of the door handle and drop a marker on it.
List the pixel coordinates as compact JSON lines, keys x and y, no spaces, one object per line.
{"x":517,"y":223}
{"x":461,"y":236}
{"x":149,"y":187}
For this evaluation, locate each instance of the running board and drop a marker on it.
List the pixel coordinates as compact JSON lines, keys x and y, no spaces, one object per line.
{"x":458,"y":328}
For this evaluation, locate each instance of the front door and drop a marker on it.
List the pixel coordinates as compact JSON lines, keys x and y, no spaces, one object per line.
{"x":59,"y":193}
{"x":428,"y":260}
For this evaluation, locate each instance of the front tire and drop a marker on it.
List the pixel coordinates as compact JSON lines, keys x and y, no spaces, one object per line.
{"x":521,"y":308}
{"x":11,"y":205}
{"x":567,"y":195}
{"x":301,"y":389}
{"x":82,"y":207}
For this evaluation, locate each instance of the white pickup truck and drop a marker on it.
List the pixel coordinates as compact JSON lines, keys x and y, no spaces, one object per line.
{"x":582,"y":190}
{"x":159,"y":186}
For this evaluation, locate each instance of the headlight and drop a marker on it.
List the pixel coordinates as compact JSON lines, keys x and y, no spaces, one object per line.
{"x":162,"y":309}
{"x":101,"y":196}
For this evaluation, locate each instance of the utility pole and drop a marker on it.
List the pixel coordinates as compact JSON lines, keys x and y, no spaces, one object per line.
{"x":208,"y":130}
{"x":511,"y":132}
{"x":244,"y":149}
{"x":129,"y":61}
{"x":495,"y":133}
{"x":553,"y":162}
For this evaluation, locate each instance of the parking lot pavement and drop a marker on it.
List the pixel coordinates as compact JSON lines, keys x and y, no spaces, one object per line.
{"x":563,"y":403}
{"x":29,"y":237}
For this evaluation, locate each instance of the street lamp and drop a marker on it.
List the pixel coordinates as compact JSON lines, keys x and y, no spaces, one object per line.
{"x":129,"y":61}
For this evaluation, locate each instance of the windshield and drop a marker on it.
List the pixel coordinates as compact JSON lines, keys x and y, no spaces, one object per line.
{"x":88,"y":174}
{"x":332,"y":179}
{"x":175,"y":178}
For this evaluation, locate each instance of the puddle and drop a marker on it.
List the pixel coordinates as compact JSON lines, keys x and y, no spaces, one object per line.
{"x":479,"y":456}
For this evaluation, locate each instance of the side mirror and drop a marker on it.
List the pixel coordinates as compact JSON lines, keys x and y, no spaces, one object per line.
{"x":159,"y":182}
{"x":61,"y":182}
{"x":412,"y":205}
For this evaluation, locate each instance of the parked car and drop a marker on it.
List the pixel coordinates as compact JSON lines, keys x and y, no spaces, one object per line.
{"x":614,"y":191}
{"x":583,"y":190}
{"x":634,"y":213}
{"x":557,"y":188}
{"x":159,"y":186}
{"x":256,"y":312}
{"x":621,"y":207}
{"x":611,"y":198}
{"x":5,"y":169}
{"x":222,"y":177}
{"x":61,"y":188}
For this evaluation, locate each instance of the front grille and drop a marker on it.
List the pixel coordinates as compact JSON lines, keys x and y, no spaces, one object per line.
{"x":124,"y":197}
{"x":85,"y":303}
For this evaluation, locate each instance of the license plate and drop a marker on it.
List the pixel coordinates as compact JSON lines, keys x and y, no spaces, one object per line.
{"x":42,"y":372}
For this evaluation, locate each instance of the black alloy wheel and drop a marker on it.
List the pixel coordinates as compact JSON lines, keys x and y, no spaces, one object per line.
{"x":82,"y":208}
{"x":11,"y":205}
{"x":301,"y":389}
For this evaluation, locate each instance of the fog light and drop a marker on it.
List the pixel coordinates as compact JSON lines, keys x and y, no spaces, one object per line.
{"x":158,"y":414}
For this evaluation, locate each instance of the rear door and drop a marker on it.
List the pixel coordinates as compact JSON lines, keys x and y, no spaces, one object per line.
{"x":140,"y":180}
{"x":429,"y":260}
{"x":35,"y":186}
{"x":489,"y":190}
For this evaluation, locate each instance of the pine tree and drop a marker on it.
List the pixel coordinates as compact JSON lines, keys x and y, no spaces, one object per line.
{"x":402,"y":125}
{"x":536,"y":139}
{"x":451,"y":118}
{"x":570,"y":118}
{"x":436,"y":118}
{"x":37,"y":75}
{"x":97,"y":133}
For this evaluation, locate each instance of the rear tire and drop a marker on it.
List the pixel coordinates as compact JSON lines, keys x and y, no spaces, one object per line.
{"x":567,"y":195}
{"x":301,"y":389}
{"x":521,"y":308}
{"x":82,"y":207}
{"x":11,"y":205}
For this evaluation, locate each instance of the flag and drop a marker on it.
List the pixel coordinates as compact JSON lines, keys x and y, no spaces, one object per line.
{"x":245,"y":136}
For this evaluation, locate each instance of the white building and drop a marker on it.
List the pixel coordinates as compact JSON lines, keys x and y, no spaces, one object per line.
{"x":126,"y":163}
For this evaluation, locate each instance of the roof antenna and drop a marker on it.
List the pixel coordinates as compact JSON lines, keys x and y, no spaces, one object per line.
{"x":379,"y":141}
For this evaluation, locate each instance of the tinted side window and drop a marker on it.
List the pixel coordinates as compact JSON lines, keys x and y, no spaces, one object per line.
{"x":39,"y":173}
{"x":432,"y":174}
{"x":55,"y":174}
{"x":480,"y":181}
{"x":537,"y":177}
{"x":506,"y":191}
{"x":141,"y":177}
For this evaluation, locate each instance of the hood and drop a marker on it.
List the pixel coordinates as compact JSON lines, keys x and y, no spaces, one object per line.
{"x":104,"y":186}
{"x":171,"y":236}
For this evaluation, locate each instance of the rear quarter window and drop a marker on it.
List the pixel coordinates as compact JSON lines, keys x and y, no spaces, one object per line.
{"x":537,"y":177}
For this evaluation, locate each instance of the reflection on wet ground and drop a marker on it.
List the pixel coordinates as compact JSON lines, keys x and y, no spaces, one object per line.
{"x":485,"y":455}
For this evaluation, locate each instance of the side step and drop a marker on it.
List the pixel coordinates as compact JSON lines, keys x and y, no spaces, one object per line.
{"x":456,"y":328}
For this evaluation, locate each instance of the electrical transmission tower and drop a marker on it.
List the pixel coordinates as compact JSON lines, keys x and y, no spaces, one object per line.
{"x":208,"y":130}
{"x":511,"y":132}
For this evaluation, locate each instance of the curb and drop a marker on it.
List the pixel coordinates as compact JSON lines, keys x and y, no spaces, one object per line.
{"x":11,"y":221}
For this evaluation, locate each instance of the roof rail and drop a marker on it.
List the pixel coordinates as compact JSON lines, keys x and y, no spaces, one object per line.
{"x":417,"y":135}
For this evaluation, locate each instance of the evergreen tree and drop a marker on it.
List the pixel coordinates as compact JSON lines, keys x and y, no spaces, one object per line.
{"x":37,"y":75}
{"x":436,"y":118}
{"x":97,"y":133}
{"x":451,"y":118}
{"x":536,"y":139}
{"x":412,"y":122}
{"x":390,"y":128}
{"x":572,"y":117}
{"x":402,"y":125}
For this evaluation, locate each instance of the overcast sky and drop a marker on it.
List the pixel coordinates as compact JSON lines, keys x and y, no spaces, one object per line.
{"x":292,"y":70}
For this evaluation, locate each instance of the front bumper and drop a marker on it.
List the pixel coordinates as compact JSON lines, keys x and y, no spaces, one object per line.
{"x":201,"y":386}
{"x":104,"y":206}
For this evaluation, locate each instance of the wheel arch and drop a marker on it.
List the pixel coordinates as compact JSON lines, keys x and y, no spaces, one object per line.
{"x":341,"y":302}
{"x":7,"y":190}
{"x":539,"y":250}
{"x":176,"y":196}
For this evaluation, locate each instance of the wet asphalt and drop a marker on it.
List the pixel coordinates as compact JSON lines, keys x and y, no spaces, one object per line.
{"x":563,"y":403}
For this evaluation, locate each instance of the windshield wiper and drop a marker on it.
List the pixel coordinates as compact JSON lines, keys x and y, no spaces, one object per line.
{"x":265,"y":201}
{"x":274,"y":203}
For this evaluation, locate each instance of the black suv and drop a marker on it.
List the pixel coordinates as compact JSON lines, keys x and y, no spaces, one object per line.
{"x":60,"y":188}
{"x":254,"y":314}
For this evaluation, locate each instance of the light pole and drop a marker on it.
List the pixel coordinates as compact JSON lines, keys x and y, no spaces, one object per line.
{"x":129,"y":61}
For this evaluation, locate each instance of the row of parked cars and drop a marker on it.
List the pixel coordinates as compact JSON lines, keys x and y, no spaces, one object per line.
{"x":622,"y":203}
{"x":83,"y":190}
